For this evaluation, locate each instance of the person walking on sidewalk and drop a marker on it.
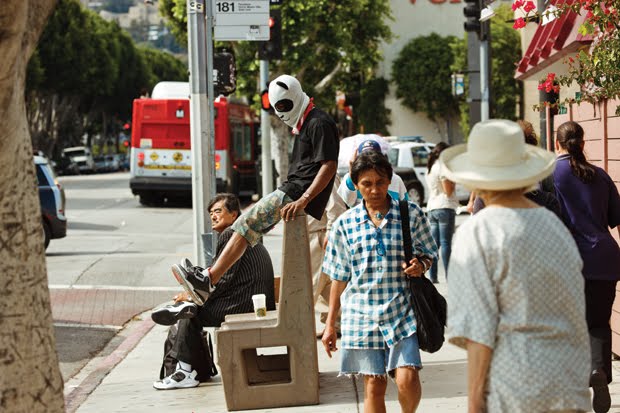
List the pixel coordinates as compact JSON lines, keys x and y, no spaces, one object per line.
{"x":515,"y":298}
{"x":590,"y":206}
{"x":440,"y":208}
{"x":352,"y":196}
{"x":308,"y":186}
{"x":365,"y":259}
{"x":251,"y":274}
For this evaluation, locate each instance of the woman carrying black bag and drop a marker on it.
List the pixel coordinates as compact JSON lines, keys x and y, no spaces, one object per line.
{"x":365,"y":259}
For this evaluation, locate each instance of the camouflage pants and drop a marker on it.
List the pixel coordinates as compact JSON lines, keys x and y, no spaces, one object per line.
{"x":262,"y":217}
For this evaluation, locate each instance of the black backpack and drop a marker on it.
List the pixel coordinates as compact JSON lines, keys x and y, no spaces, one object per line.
{"x":202,"y":362}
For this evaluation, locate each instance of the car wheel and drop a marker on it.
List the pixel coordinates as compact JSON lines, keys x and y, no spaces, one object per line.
{"x":415,"y":193}
{"x":47,"y":234}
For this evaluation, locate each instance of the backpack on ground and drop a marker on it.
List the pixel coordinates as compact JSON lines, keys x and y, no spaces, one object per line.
{"x":202,"y":362}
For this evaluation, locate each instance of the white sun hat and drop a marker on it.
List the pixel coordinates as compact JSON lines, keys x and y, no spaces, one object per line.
{"x":496,"y":158}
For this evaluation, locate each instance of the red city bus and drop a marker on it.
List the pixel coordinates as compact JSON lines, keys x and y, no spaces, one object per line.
{"x":160,"y":146}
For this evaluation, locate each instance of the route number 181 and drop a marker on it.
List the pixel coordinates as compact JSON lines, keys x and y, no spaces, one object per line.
{"x":225,"y":6}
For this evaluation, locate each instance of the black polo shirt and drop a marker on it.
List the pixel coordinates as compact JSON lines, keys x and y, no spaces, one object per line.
{"x":317,"y":141}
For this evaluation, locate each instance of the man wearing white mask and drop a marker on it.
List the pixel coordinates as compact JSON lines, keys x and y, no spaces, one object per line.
{"x":310,"y":178}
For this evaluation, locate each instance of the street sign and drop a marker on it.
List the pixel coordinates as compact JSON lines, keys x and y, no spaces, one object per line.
{"x":241,"y":19}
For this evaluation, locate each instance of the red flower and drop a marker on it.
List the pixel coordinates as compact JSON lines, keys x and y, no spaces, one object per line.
{"x":517,"y":5}
{"x":529,"y":6}
{"x":519,"y":23}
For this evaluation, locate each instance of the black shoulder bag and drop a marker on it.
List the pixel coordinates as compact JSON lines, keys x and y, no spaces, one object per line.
{"x":429,"y":306}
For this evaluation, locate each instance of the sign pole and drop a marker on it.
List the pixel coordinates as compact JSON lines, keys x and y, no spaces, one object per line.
{"x":201,"y":113}
{"x":265,"y":131}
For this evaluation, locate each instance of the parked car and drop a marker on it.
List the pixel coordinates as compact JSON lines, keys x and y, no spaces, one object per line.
{"x":408,"y":156}
{"x":112,"y":163}
{"x":65,"y":166}
{"x":82,"y":156}
{"x":123,"y":161}
{"x":52,"y":198}
{"x":100,"y":164}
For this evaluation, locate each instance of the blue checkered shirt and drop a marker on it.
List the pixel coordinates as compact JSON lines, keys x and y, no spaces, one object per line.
{"x":376,"y":306}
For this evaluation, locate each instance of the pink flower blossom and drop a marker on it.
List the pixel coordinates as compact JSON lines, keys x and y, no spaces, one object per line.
{"x":519,"y":23}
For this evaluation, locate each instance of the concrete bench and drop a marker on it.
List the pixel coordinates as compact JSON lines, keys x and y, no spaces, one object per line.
{"x":254,"y":377}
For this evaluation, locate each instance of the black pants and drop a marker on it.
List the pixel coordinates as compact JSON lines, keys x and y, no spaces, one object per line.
{"x":600,"y":297}
{"x":189,"y":335}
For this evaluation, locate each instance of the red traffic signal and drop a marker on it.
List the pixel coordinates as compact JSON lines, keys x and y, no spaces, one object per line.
{"x":126,"y":126}
{"x":264,"y":100}
{"x":125,"y":143}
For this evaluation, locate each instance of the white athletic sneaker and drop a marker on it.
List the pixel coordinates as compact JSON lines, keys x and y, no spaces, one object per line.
{"x":180,"y":379}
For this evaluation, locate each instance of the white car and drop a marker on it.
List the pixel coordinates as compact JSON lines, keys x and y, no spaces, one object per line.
{"x":414,"y":155}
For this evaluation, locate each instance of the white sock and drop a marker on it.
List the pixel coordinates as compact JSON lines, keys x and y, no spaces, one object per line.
{"x":185,"y":366}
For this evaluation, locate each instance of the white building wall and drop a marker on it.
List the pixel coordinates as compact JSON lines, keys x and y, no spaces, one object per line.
{"x":413,"y":19}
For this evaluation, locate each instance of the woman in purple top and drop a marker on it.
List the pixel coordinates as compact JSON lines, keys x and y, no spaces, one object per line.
{"x":590,"y":205}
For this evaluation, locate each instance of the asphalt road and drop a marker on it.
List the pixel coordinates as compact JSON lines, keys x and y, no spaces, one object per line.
{"x":113,"y":264}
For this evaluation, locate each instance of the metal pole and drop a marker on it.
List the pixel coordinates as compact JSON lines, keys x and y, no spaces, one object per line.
{"x":484,"y":80}
{"x":265,"y":131}
{"x":200,"y":110}
{"x":210,"y":237}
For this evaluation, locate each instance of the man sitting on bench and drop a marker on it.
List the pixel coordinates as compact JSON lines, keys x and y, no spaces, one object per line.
{"x":252,"y":274}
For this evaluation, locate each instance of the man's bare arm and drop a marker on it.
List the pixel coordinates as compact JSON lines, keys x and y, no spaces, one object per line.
{"x":322,"y":178}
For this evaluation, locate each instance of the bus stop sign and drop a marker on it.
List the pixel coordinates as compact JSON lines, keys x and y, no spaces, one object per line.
{"x":235,"y":20}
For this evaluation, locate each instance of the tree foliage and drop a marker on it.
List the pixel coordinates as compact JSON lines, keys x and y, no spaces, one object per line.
{"x":84,"y":76}
{"x":421,"y":73}
{"x":326,"y":44}
{"x":373,"y":114}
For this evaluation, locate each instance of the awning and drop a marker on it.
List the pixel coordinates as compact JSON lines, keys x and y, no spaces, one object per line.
{"x":552,"y":42}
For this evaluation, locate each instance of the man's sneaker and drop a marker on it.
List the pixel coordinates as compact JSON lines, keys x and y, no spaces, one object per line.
{"x":197,"y":284}
{"x":189,"y":267}
{"x":180,"y":379}
{"x":601,"y":401}
{"x":172,"y":313}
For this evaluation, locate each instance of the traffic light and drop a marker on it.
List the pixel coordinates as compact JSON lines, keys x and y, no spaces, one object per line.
{"x":472,"y":13}
{"x":272,"y":49}
{"x":264,"y":101}
{"x":225,"y":72}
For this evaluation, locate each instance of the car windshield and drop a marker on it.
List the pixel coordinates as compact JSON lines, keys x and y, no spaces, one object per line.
{"x":75,"y":152}
{"x":420,"y":156}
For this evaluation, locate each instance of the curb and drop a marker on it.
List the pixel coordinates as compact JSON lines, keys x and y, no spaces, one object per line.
{"x":135,"y":331}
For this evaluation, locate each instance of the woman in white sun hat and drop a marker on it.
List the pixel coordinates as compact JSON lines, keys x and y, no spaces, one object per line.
{"x":515,"y":297}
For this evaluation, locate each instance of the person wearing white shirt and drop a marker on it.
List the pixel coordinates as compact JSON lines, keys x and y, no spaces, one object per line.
{"x":440,"y":208}
{"x":352,"y":197}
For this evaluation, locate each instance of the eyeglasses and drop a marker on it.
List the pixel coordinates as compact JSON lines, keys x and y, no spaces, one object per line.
{"x":380,"y":245}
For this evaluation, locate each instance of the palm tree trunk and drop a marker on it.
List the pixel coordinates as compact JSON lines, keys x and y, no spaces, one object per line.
{"x":30,"y":379}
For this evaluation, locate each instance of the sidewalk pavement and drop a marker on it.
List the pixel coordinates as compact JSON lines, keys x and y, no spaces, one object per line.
{"x":121,"y":380}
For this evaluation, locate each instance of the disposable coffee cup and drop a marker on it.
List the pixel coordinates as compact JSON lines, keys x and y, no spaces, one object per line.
{"x":260,"y":305}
